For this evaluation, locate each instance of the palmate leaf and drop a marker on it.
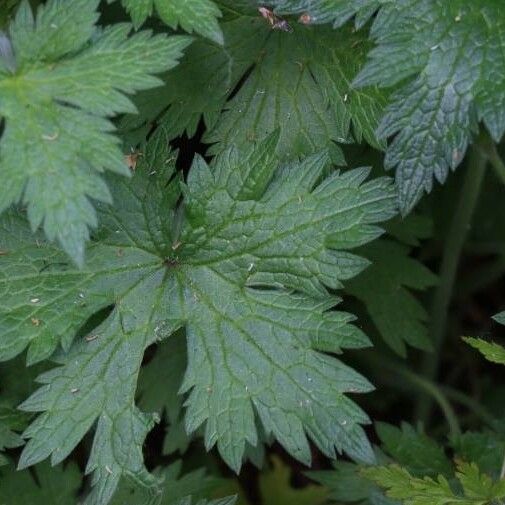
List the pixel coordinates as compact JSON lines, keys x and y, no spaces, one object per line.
{"x":68,"y":77}
{"x":452,"y":56}
{"x":299,"y":83}
{"x":246,"y":276}
{"x":192,"y":15}
{"x":336,"y":12}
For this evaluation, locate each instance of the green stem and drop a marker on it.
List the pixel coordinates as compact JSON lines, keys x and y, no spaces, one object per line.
{"x":436,"y":394}
{"x":421,"y":383}
{"x":450,"y":259}
{"x":488,"y":149}
{"x":471,"y":404}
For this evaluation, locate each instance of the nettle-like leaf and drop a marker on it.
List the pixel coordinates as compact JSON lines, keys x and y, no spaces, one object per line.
{"x":452,"y":57}
{"x":245,"y":270}
{"x":477,"y":488}
{"x":384,"y":289}
{"x":68,"y":76}
{"x":199,"y":16}
{"x":336,"y":12}
{"x":298,"y":83}
{"x":414,"y":450}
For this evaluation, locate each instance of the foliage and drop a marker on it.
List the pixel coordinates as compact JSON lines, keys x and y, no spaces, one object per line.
{"x":195,"y":225}
{"x":57,"y":138}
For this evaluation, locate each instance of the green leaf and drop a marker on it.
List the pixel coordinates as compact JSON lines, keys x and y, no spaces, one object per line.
{"x":485,"y":449}
{"x":55,"y":486}
{"x":276,"y":489}
{"x":384,"y":289}
{"x":415,"y":451}
{"x":158,"y":388}
{"x":96,"y":385}
{"x":57,"y":137}
{"x":176,"y":487}
{"x":191,"y":15}
{"x":329,"y":11}
{"x":299,"y":84}
{"x":500,"y":317}
{"x":8,"y":7}
{"x":245,"y":269}
{"x":347,"y":484}
{"x":297,"y":227}
{"x":16,"y":383}
{"x":478,"y":489}
{"x":231,"y":500}
{"x":449,"y":61}
{"x":491,"y":351}
{"x":11,"y":421}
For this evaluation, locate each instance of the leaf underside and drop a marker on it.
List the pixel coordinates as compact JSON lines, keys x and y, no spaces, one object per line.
{"x":448,"y":64}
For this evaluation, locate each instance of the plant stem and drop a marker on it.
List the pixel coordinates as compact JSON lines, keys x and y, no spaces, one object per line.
{"x":450,"y":259}
{"x":435,"y":393}
{"x":487,"y":148}
{"x":421,"y":383}
{"x":472,"y":405}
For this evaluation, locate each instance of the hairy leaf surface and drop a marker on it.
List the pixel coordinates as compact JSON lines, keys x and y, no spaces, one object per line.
{"x":298,"y":83}
{"x":67,"y":78}
{"x":245,"y":268}
{"x":329,"y":11}
{"x":191,"y":15}
{"x":450,"y":61}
